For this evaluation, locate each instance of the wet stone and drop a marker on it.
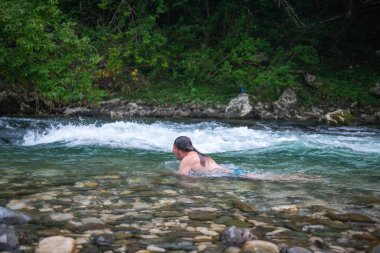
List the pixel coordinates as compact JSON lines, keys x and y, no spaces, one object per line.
{"x":10,"y":217}
{"x":295,"y":250}
{"x":230,"y":221}
{"x":92,"y":226}
{"x":181,"y":245}
{"x":56,"y":244}
{"x":258,"y":246}
{"x":234,"y":236}
{"x":345,"y":217}
{"x":49,"y":232}
{"x":8,"y":238}
{"x":375,"y":249}
{"x":89,"y":248}
{"x":202,"y":216}
{"x":103,"y":239}
{"x":242,"y":206}
{"x":168,"y":214}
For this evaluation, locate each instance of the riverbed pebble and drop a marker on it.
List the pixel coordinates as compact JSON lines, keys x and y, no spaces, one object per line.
{"x":56,"y":244}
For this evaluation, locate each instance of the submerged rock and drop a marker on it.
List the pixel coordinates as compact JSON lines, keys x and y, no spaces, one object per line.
{"x":8,"y":238}
{"x":11,"y":217}
{"x":242,"y":206}
{"x":258,"y":246}
{"x":202,"y":216}
{"x":234,"y":236}
{"x":56,"y":244}
{"x":295,"y":250}
{"x":345,"y":217}
{"x":103,"y":239}
{"x":285,"y":208}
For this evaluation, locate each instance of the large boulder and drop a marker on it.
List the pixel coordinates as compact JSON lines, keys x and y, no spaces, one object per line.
{"x":239,"y":107}
{"x":285,"y":107}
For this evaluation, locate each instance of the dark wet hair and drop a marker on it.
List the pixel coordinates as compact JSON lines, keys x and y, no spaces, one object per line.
{"x":184,"y":143}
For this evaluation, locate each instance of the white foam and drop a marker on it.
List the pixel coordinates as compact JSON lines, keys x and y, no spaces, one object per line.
{"x":207,"y":137}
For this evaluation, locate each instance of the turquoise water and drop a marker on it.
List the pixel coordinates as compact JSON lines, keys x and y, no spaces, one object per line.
{"x":303,"y":164}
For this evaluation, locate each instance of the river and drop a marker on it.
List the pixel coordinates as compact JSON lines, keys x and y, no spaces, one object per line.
{"x":91,"y":167}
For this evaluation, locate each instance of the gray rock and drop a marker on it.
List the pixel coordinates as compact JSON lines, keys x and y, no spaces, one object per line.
{"x":112,"y":102}
{"x":310,"y":80}
{"x":376,"y":249}
{"x":295,"y":250}
{"x":239,"y":107}
{"x":258,"y":246}
{"x":77,"y":111}
{"x":8,"y":238}
{"x":103,"y":239}
{"x":181,"y":245}
{"x":11,"y":217}
{"x":339,"y":117}
{"x":375,"y":91}
{"x":234,"y":236}
{"x":285,"y":106}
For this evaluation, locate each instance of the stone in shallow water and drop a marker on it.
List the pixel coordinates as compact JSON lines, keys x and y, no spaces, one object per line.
{"x":353,"y":217}
{"x":167,"y":214}
{"x":258,"y":246}
{"x":285,"y":208}
{"x":8,"y":238}
{"x":103,"y":239}
{"x":295,"y":250}
{"x":89,"y":248}
{"x":181,"y":245}
{"x":202,"y":216}
{"x":61,"y":216}
{"x":234,"y":236}
{"x":242,"y":206}
{"x":11,"y":217}
{"x":56,"y":244}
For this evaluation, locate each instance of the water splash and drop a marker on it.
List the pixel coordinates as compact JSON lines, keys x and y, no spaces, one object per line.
{"x":208,"y":137}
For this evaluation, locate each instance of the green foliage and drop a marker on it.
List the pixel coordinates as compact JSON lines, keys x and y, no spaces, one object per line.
{"x":40,"y":52}
{"x":182,"y":51}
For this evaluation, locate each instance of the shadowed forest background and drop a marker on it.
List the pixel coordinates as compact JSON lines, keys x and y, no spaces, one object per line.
{"x":166,"y":52}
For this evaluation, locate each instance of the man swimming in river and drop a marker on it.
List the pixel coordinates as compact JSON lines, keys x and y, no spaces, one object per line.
{"x":193,"y":161}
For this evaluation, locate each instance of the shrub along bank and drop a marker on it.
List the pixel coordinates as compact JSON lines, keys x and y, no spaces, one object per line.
{"x":59,"y":53}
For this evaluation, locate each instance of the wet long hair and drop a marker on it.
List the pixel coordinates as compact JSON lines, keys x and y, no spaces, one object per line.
{"x":184,"y":143}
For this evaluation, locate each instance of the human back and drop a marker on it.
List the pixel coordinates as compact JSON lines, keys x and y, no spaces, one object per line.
{"x":193,"y":161}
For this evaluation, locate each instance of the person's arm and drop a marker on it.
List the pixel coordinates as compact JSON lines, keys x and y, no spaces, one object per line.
{"x":184,"y":169}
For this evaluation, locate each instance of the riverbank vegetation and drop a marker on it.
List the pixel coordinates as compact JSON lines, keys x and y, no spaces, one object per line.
{"x":168,"y":52}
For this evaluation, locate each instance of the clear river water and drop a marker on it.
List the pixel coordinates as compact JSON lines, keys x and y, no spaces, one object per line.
{"x":92,"y":167}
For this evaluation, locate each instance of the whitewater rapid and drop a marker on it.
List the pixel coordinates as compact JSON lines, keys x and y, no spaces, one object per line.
{"x":208,"y":137}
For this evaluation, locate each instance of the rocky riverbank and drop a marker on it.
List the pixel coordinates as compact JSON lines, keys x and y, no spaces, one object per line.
{"x":104,"y":215}
{"x":241,"y":107}
{"x":244,"y":106}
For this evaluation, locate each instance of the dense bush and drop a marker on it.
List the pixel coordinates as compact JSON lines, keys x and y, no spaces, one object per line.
{"x":167,"y":51}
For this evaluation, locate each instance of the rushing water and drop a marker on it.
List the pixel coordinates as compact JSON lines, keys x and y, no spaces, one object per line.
{"x":303,"y":164}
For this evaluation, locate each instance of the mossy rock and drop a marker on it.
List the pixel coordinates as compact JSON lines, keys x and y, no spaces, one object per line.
{"x":339,"y":118}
